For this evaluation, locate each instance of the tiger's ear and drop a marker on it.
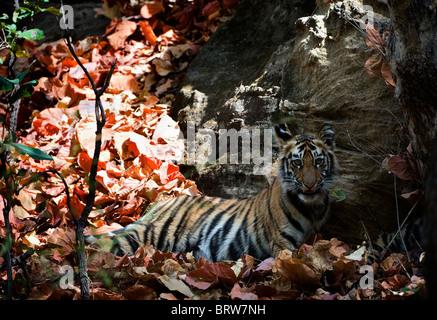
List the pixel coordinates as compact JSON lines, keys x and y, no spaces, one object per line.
{"x":327,"y":135}
{"x":281,"y":135}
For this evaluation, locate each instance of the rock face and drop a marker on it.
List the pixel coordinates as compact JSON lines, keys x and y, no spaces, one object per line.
{"x":286,"y":62}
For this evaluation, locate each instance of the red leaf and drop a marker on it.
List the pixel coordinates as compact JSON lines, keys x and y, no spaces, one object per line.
{"x":399,"y":165}
{"x":243,"y":293}
{"x":211,"y":274}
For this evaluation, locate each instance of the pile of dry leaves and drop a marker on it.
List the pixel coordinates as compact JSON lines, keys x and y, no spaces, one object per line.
{"x":323,"y":271}
{"x":153,"y":45}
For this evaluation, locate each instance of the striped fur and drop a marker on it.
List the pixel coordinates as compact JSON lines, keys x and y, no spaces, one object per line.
{"x":409,"y":237}
{"x":279,"y":217}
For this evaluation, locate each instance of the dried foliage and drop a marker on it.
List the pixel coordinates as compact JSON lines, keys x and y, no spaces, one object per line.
{"x":153,"y":47}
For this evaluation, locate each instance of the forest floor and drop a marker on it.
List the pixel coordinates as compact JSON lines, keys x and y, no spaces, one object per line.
{"x":153,"y":46}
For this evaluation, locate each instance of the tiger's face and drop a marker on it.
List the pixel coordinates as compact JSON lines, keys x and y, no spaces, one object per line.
{"x":306,"y":165}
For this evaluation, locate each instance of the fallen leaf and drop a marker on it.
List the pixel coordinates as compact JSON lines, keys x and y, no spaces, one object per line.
{"x":242,"y":293}
{"x":176,"y":285}
{"x":151,"y":9}
{"x":122,"y":31}
{"x":139,"y":292}
{"x":298,"y":272}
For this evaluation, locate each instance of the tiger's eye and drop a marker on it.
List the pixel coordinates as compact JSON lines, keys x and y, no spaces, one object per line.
{"x":296,"y":162}
{"x":319,"y":161}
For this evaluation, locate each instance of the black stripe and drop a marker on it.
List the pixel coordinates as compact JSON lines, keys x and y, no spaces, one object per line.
{"x":290,"y":238}
{"x":180,"y":228}
{"x":199,"y":222}
{"x":133,"y":243}
{"x":312,"y":212}
{"x":289,"y":217}
{"x":234,"y":253}
{"x":146,"y":230}
{"x":219,"y":216}
{"x":164,"y":228}
{"x":215,"y":245}
{"x":228,"y":226}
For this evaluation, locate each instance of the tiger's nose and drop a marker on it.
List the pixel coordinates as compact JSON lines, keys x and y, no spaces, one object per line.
{"x":309,"y":185}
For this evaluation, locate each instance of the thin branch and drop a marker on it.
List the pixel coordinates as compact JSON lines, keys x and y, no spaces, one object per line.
{"x":100,"y":121}
{"x":350,"y":139}
{"x":402,"y":225}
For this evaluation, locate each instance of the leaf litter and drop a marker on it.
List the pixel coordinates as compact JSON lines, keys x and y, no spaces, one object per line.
{"x":140,"y":141}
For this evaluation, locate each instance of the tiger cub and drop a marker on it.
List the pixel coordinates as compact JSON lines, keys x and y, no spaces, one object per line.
{"x":279,"y":217}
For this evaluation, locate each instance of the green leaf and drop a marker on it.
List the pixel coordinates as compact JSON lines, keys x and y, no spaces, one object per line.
{"x":6,"y":84}
{"x":4,"y":17}
{"x":21,"y":13}
{"x":32,"y":152}
{"x":52,"y":10}
{"x":32,"y":34}
{"x":24,"y":91}
{"x":23,"y":74}
{"x":338,"y":194}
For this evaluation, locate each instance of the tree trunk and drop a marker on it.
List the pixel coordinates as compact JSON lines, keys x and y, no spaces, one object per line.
{"x":412,"y":54}
{"x":430,"y":227}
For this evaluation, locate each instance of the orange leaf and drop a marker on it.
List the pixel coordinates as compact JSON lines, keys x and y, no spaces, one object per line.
{"x":122,"y":82}
{"x":147,"y":31}
{"x":152,"y":8}
{"x":84,"y":161}
{"x":122,"y":30}
{"x":48,"y":122}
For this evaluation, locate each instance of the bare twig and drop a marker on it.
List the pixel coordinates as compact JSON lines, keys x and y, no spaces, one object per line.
{"x":82,"y":221}
{"x":401,"y":226}
{"x":362,"y":151}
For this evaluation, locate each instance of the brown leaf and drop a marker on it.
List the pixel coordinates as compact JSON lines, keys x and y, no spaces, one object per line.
{"x":122,"y":82}
{"x":393,"y":263}
{"x":104,"y":294}
{"x":299,"y":273}
{"x":211,"y":274}
{"x":386,"y":73}
{"x":399,"y":165}
{"x":398,"y":281}
{"x":373,"y":65}
{"x":374,"y":39}
{"x":139,"y":292}
{"x":243,"y":293}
